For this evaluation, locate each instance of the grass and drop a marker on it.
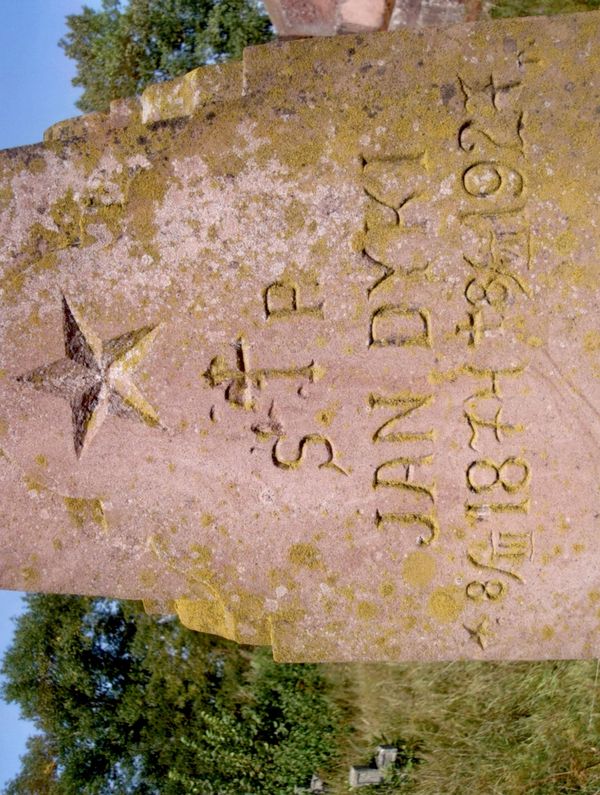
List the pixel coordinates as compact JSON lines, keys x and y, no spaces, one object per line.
{"x":478,"y":728}
{"x":527,"y":8}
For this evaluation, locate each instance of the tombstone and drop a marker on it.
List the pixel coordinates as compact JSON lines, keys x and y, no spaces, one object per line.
{"x":330,"y":17}
{"x":306,"y":348}
{"x":317,"y":784}
{"x":365,"y":776}
{"x":385,"y":756}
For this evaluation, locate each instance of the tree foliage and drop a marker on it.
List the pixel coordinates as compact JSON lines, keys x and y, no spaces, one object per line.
{"x":124,"y":702}
{"x":122,"y":48}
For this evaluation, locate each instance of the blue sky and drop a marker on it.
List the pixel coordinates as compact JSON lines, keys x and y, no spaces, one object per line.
{"x":35,"y":92}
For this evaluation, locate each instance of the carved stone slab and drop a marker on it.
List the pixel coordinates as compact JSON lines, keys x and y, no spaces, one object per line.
{"x":307,"y":349}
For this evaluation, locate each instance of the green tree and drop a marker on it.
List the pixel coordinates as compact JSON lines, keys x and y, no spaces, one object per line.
{"x":39,"y":775}
{"x":125,"y":702}
{"x":122,"y":48}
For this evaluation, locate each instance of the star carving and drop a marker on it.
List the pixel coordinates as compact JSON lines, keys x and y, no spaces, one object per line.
{"x":481,"y":633}
{"x":95,"y":377}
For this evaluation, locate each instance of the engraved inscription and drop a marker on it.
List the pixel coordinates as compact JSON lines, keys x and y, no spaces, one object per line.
{"x":400,"y":326}
{"x":241,"y":380}
{"x":427,"y":521}
{"x":95,"y":377}
{"x":282,"y":301}
{"x":404,"y":404}
{"x":400,"y":471}
{"x":480,"y":633}
{"x":402,"y":474}
{"x":312,"y":438}
{"x":504,"y":552}
{"x":393,"y":185}
{"x":490,"y":589}
{"x":491,"y":141}
{"x":486,"y":179}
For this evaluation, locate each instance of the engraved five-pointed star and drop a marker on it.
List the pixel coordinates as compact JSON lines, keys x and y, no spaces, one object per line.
{"x":481,"y":633}
{"x":95,"y":377}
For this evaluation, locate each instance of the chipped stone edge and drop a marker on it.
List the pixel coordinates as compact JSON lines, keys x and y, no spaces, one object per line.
{"x":159,"y":102}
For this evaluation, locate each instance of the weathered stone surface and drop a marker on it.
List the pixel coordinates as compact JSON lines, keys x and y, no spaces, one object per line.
{"x":315,"y":362}
{"x":364,"y":776}
{"x":385,"y":755}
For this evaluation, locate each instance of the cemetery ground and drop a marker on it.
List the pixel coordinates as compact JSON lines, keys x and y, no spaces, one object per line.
{"x":525,"y":8}
{"x":131,"y":703}
{"x":485,"y":728}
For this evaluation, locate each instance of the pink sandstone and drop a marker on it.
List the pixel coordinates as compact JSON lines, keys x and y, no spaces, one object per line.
{"x":294,"y":18}
{"x":307,"y":349}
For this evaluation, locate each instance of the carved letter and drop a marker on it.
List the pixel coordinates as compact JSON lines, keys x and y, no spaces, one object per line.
{"x":385,"y":327}
{"x":428,"y":521}
{"x":313,"y":438}
{"x":406,"y":403}
{"x":404,"y":482}
{"x":282,"y":301}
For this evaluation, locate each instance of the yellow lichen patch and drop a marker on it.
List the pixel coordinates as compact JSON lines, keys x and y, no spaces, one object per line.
{"x":326,"y":415}
{"x":281,"y":579}
{"x":564,"y":524}
{"x":41,"y":460}
{"x":72,"y":220}
{"x":84,"y":512}
{"x":37,"y":165}
{"x":206,"y":519}
{"x":418,"y":568}
{"x":346,"y":592}
{"x":578,"y":275}
{"x":366,"y":610}
{"x":294,"y":214}
{"x":146,"y":191}
{"x":3,"y":428}
{"x":200,"y":554}
{"x":250,"y":617}
{"x":591,"y":341}
{"x":446,"y":603}
{"x":594,"y":596}
{"x":33,"y":484}
{"x":408,"y":622}
{"x":566,"y":243}
{"x":6,"y":196}
{"x":547,"y":632}
{"x":290,"y":614}
{"x":147,"y":578}
{"x":207,"y":615}
{"x":67,"y":215}
{"x":306,"y":555}
{"x":158,"y":607}
{"x":31,"y":576}
{"x":534,"y":342}
{"x":387,"y":589}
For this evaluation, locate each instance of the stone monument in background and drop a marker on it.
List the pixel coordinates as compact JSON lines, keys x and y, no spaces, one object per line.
{"x":307,"y":348}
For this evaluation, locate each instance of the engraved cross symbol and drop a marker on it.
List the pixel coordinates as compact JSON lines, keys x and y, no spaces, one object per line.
{"x":241,"y":379}
{"x":95,"y":377}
